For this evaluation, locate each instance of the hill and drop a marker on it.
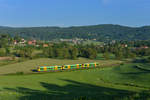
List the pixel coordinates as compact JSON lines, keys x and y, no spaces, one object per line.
{"x":100,"y":32}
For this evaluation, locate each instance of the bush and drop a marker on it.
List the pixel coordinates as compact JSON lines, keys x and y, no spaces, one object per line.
{"x":2,"y":52}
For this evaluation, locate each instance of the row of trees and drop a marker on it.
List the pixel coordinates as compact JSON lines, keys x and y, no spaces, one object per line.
{"x":65,"y":51}
{"x":92,"y":51}
{"x":68,"y":51}
{"x":61,"y":51}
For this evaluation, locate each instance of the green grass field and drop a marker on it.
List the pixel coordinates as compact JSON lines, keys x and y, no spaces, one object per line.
{"x":124,"y":82}
{"x":128,"y":74}
{"x":30,"y":65}
{"x":64,"y":86}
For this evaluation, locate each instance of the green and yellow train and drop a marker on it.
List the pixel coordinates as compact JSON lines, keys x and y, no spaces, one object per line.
{"x":67,"y":67}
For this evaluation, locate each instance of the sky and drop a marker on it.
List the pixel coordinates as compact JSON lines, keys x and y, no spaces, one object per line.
{"x":26,"y":13}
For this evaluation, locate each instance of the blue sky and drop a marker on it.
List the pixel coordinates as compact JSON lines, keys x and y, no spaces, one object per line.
{"x":26,"y":13}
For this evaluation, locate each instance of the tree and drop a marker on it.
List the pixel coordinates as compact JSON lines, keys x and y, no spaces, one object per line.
{"x":106,"y":55}
{"x":58,"y":53}
{"x":25,"y":52}
{"x":48,"y":52}
{"x":28,"y":52}
{"x":92,"y":53}
{"x":119,"y":54}
{"x":73,"y":53}
{"x":66,"y":53}
{"x":2,"y":52}
{"x":7,"y":51}
{"x":132,"y":55}
{"x":4,"y":40}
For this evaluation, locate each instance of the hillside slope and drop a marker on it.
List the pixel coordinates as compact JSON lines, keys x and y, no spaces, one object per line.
{"x":100,"y":32}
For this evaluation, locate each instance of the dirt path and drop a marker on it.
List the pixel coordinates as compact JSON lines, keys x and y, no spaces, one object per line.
{"x":5,"y":58}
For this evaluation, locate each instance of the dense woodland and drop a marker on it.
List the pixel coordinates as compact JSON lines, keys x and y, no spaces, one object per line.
{"x":104,"y":32}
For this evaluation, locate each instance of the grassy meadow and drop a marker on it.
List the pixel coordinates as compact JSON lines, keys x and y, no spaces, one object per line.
{"x":28,"y":66}
{"x":65,"y":86}
{"x":128,"y":74}
{"x":109,"y":82}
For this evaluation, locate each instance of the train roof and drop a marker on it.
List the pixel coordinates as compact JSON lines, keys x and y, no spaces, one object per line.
{"x":67,"y":65}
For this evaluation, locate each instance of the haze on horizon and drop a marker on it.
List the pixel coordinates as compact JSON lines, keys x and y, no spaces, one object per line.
{"x":26,"y":13}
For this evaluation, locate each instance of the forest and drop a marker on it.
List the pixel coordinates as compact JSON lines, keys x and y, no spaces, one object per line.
{"x":104,"y":32}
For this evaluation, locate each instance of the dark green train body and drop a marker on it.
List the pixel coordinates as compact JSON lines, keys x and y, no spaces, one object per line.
{"x":67,"y":67}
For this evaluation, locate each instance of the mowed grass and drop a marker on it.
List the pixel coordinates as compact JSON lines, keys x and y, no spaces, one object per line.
{"x":75,"y":85}
{"x":30,"y":65}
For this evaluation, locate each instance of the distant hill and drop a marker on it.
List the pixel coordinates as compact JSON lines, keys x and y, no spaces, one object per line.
{"x":100,"y":32}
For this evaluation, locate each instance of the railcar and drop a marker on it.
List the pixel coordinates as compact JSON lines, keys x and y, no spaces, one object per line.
{"x":67,"y":67}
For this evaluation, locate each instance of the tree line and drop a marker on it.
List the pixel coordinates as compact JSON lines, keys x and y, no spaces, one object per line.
{"x":63,"y":50}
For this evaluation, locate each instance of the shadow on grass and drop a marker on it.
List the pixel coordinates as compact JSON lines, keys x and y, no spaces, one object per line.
{"x":142,"y":60}
{"x":139,"y":71}
{"x":77,"y":91}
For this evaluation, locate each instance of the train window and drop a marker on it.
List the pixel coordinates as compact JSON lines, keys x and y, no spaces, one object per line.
{"x":66,"y":66}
